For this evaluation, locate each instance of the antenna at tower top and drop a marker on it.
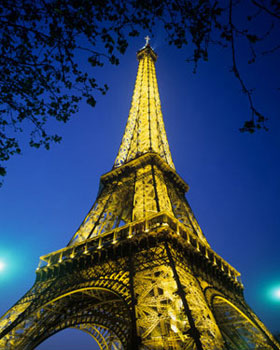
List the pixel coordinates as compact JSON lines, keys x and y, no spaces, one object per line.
{"x":147,"y":38}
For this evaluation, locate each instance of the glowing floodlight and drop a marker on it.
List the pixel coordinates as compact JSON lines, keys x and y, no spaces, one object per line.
{"x":277,"y":293}
{"x":2,"y":266}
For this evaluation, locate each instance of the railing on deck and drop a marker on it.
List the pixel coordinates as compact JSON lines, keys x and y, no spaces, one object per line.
{"x":156,"y":223}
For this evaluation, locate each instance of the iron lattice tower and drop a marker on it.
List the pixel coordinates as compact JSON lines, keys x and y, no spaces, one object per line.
{"x":138,"y":273}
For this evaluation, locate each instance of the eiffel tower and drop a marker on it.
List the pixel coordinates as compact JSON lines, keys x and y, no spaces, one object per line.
{"x":139,"y":273}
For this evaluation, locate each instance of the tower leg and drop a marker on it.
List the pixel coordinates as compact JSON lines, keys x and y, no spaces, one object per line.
{"x":193,"y":332}
{"x":171,"y":310}
{"x":134,"y":336}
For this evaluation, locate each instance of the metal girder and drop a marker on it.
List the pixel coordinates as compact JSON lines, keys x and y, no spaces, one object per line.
{"x":238,"y":329}
{"x":105,"y":339}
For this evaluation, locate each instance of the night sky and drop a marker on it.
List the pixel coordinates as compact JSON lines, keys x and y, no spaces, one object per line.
{"x":233,"y":177}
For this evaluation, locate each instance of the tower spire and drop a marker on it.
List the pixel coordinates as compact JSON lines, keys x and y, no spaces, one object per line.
{"x":145,"y":131}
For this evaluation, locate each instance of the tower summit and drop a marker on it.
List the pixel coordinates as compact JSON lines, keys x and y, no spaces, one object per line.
{"x":145,"y":130}
{"x":138,"y":274}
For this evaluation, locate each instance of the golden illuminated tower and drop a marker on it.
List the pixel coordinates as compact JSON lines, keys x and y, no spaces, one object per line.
{"x":138,"y":273}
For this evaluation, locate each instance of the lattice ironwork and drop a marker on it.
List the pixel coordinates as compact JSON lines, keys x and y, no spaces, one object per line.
{"x":139,"y":273}
{"x":140,"y":189}
{"x":105,"y":339}
{"x":100,"y":298}
{"x":245,"y":335}
{"x":145,"y":131}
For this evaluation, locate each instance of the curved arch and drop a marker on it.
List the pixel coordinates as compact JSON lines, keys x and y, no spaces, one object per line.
{"x":97,"y":306}
{"x":105,"y":339}
{"x":237,"y":309}
{"x":238,"y":330}
{"x":74,"y":291}
{"x":96,"y":335}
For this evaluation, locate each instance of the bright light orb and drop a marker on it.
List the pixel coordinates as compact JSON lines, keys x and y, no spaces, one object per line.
{"x":2,"y":266}
{"x":276,"y":293}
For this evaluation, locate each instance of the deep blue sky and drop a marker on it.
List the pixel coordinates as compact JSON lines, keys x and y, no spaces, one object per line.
{"x":233,"y":177}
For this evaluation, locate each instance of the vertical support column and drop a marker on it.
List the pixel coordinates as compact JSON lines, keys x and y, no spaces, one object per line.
{"x":155,"y":187}
{"x":194,"y":333}
{"x":135,"y":340}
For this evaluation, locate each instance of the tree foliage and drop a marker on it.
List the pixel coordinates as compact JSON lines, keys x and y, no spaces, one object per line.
{"x":42,"y":42}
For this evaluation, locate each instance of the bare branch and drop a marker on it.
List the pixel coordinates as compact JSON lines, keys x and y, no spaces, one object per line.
{"x":248,"y":125}
{"x":264,"y":8}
